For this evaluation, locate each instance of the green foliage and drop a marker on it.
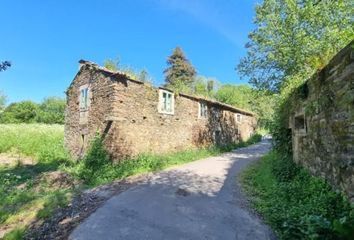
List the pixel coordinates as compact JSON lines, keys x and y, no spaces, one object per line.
{"x":300,"y":206}
{"x":260,"y":102}
{"x":51,"y":111}
{"x":2,"y":101}
{"x":112,"y":64}
{"x":95,"y":159}
{"x":115,"y":65}
{"x":24,"y":191}
{"x":282,"y":135}
{"x":203,"y":86}
{"x":39,"y":141}
{"x":293,"y":39}
{"x":25,"y":195}
{"x":21,"y":112}
{"x":180,"y":72}
{"x":237,"y":95}
{"x":16,"y":234}
{"x":255,"y":138}
{"x":144,"y":76}
{"x":284,"y":169}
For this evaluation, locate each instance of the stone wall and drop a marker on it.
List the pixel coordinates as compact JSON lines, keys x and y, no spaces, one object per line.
{"x":323,"y":123}
{"x":81,"y":126}
{"x":126,"y":112}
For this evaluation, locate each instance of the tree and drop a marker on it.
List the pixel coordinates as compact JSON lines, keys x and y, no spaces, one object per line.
{"x":51,"y":110}
{"x":204,"y":86}
{"x":236,"y":95}
{"x":180,"y":73}
{"x":262,"y":103}
{"x":4,"y":65}
{"x":293,"y":39}
{"x":2,"y":101}
{"x":21,"y":112}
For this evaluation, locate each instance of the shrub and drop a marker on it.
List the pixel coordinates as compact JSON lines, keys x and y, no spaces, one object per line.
{"x":284,"y":169}
{"x":21,"y":112}
{"x":95,"y":160}
{"x":254,"y":139}
{"x":304,"y":207}
{"x":51,"y":111}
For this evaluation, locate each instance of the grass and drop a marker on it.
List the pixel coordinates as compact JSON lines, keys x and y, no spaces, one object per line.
{"x":296,"y":204}
{"x":96,"y":169}
{"x":26,"y":191}
{"x":26,"y":195}
{"x":41,"y":142}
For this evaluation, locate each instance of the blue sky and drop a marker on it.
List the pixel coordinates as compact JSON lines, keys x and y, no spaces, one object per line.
{"x":45,"y":39}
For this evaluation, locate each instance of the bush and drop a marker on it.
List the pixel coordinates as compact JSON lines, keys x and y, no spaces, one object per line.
{"x":284,"y":169}
{"x":304,"y":208}
{"x":21,"y":112}
{"x":95,"y":160}
{"x":51,"y":111}
{"x":255,"y":138}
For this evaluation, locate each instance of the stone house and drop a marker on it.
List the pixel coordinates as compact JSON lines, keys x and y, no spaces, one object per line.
{"x":134,"y":117}
{"x":322,"y":122}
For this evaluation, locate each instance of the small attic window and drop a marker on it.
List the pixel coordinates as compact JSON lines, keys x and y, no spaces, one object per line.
{"x":238,"y":117}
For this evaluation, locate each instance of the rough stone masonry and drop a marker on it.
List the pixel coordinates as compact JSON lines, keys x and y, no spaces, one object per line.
{"x":133,"y":117}
{"x":323,"y":123}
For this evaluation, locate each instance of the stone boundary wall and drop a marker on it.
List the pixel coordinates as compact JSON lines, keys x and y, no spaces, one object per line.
{"x":323,"y":123}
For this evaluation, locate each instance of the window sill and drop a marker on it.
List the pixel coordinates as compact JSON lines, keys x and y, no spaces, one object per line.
{"x":168,"y":113}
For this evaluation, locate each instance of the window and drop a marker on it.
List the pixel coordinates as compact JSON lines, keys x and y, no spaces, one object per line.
{"x":203,"y":110}
{"x":84,"y":99}
{"x":238,"y":117}
{"x":300,"y":124}
{"x":166,"y":102}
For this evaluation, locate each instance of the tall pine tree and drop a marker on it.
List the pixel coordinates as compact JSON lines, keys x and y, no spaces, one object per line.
{"x":180,"y":72}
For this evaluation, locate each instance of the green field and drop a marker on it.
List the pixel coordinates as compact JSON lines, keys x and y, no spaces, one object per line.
{"x":26,"y":190}
{"x":42,"y":142}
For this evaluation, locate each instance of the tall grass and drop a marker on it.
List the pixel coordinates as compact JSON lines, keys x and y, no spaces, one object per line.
{"x":39,"y":141}
{"x":296,"y":204}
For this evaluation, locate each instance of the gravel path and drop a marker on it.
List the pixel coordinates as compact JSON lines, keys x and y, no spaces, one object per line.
{"x":198,"y":200}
